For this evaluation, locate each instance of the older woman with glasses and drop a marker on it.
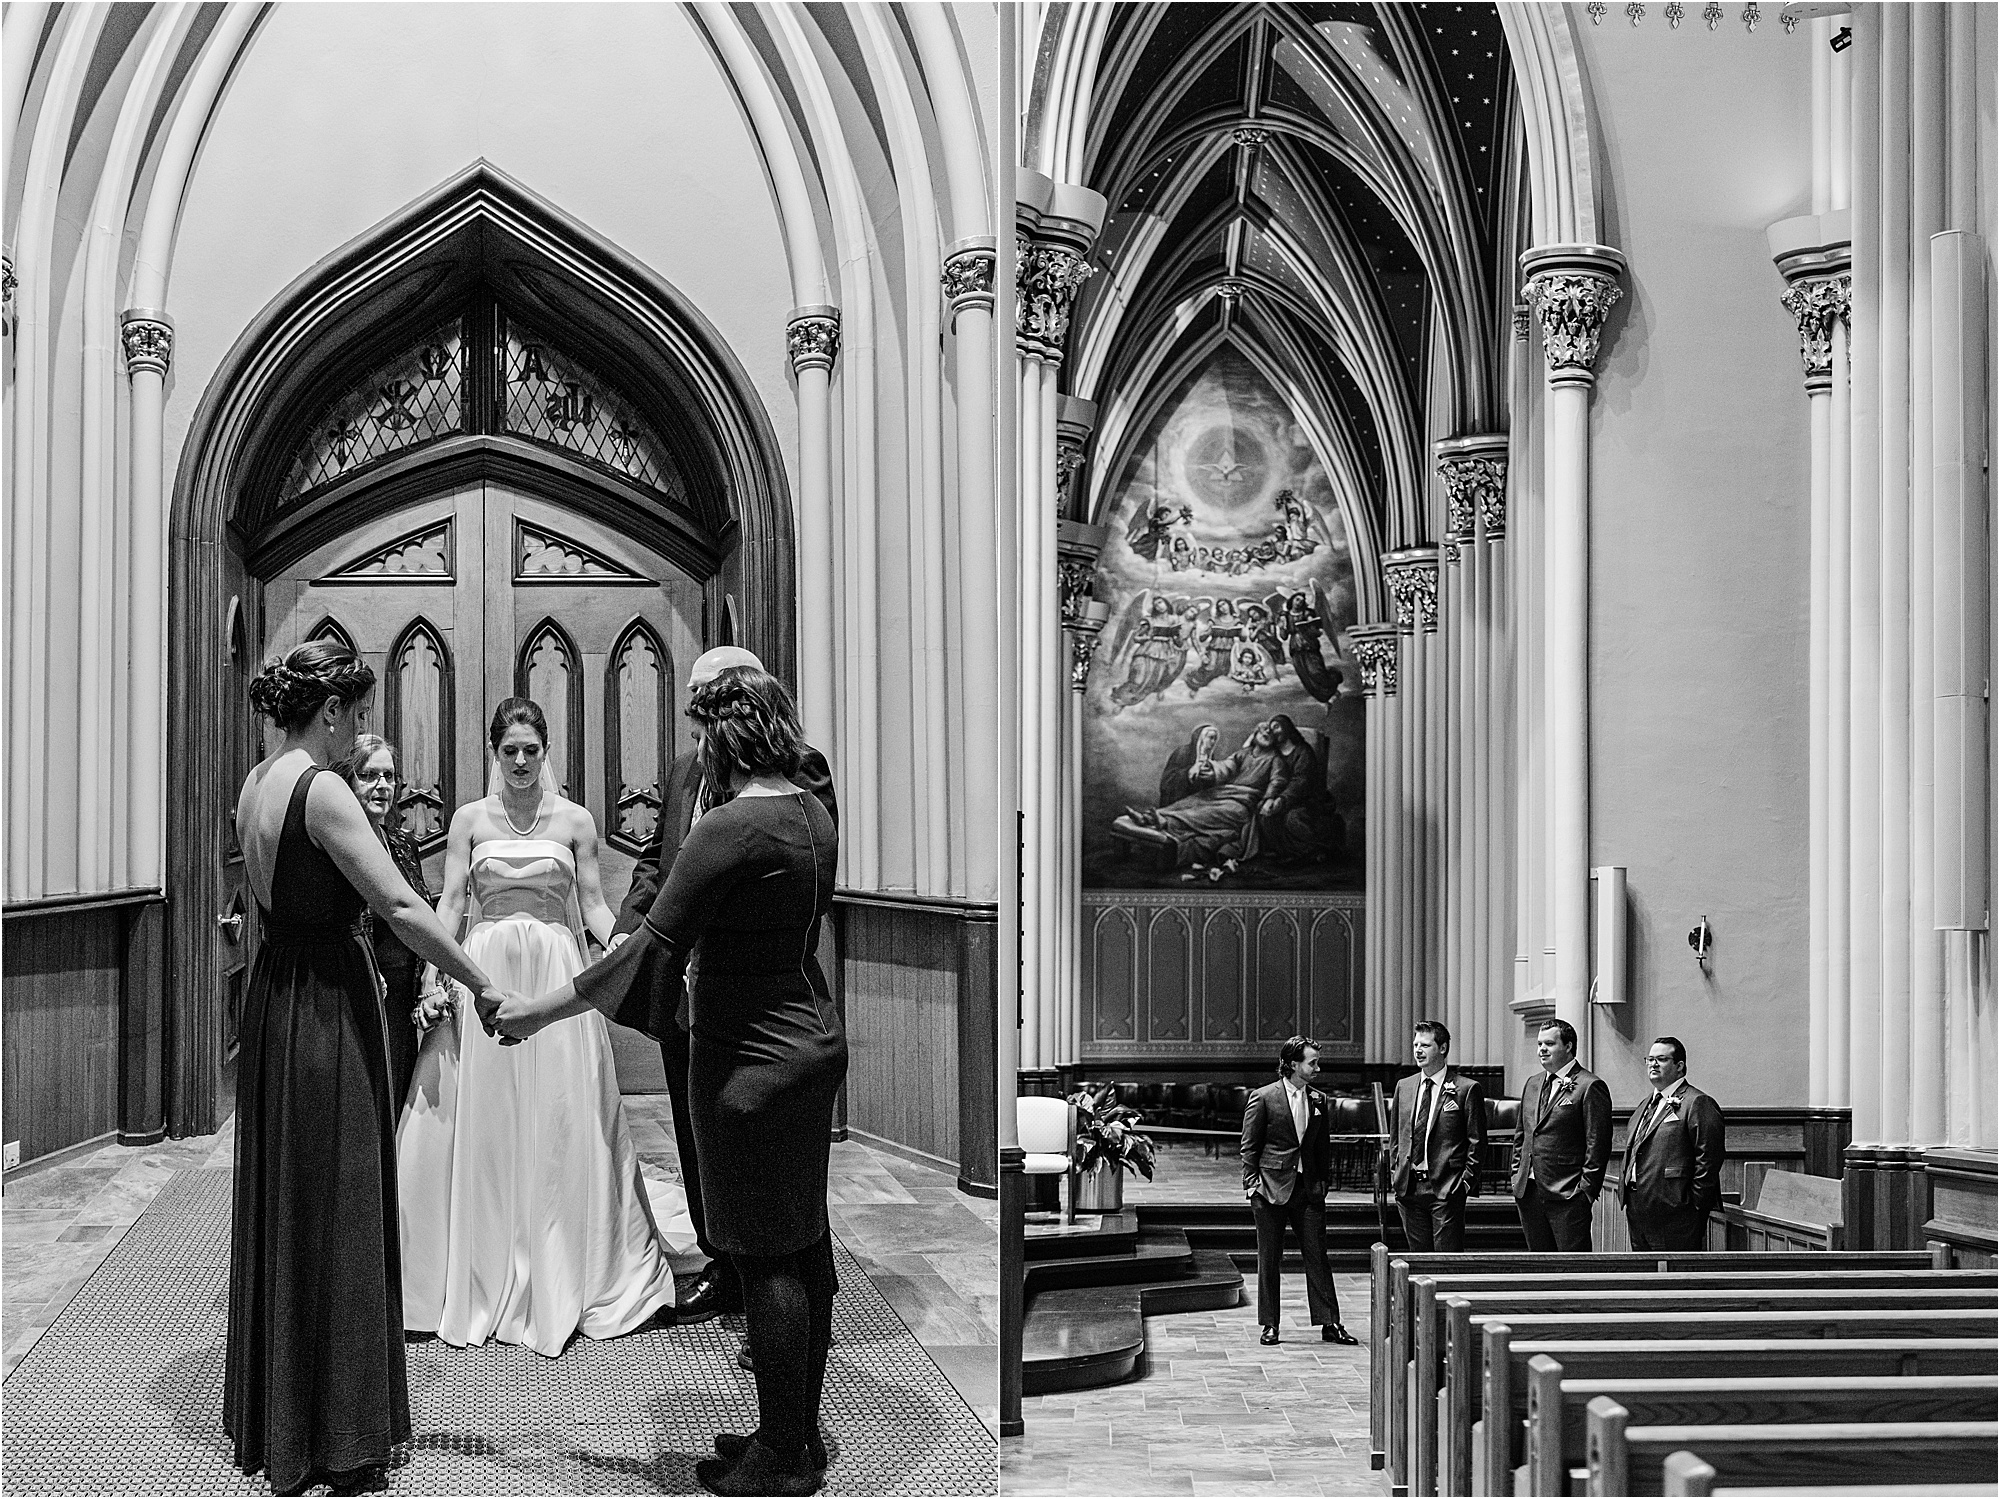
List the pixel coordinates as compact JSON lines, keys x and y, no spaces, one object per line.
{"x":371,"y":770}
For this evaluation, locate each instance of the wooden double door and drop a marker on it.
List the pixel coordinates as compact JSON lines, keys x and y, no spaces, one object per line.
{"x":487,"y":593}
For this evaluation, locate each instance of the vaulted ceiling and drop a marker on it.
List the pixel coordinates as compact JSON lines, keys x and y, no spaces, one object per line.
{"x":1322,"y":186}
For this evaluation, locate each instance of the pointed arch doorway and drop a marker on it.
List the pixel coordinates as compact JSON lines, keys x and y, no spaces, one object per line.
{"x":497,"y":456}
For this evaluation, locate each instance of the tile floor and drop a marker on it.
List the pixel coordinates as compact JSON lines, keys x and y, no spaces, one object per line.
{"x":933,"y":1252}
{"x":1211,"y":1411}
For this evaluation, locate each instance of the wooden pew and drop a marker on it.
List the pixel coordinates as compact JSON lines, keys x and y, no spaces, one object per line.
{"x":1499,"y":1443}
{"x":1390,"y":1345}
{"x":1688,"y":1474}
{"x":1451,"y":1467}
{"x":1627,"y":1459}
{"x":1558,"y":1428}
{"x":1428,"y":1293}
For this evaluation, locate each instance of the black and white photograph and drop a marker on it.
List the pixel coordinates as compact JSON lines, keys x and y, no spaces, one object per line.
{"x":999,"y":747}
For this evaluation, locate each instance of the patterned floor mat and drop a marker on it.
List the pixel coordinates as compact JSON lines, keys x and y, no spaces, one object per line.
{"x":123,"y":1393}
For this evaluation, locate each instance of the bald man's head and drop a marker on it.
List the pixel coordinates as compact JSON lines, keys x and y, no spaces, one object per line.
{"x":711,"y":664}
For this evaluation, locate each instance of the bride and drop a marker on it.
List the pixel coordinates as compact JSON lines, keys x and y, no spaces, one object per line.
{"x":524,"y":1215}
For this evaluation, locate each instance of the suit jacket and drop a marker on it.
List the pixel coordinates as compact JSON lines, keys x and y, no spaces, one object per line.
{"x":1673,"y":1160}
{"x":659,"y":1011}
{"x":1568,"y":1151}
{"x":677,"y":816}
{"x":1275,"y":1159}
{"x":1454,"y":1143}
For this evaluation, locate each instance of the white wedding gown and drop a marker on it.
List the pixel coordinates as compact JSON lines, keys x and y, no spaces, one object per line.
{"x":525,"y":1217}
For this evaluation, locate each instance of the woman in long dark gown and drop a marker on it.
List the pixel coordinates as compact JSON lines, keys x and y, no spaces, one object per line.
{"x":370,"y":768}
{"x":314,"y":1387}
{"x":767,"y":1054}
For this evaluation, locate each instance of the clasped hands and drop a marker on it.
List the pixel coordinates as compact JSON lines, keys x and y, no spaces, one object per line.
{"x":510,"y":1016}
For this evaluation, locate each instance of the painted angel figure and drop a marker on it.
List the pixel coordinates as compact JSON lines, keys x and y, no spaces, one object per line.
{"x":1304,"y":619}
{"x":1150,"y":528}
{"x":1146,"y":645}
{"x":1221,"y":631}
{"x":1251,"y":667}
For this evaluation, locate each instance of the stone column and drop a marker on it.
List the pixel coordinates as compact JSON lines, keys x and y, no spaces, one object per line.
{"x":971,"y":693}
{"x":1054,"y":225}
{"x":1410,"y":575}
{"x":1473,"y":472}
{"x":1572,"y":289}
{"x":1817,"y":297}
{"x":1375,"y":649}
{"x":812,"y":342}
{"x":148,"y":337}
{"x":1077,"y":549}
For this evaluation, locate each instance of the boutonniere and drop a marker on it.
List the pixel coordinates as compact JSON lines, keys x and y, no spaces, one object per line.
{"x":1450,"y":1089}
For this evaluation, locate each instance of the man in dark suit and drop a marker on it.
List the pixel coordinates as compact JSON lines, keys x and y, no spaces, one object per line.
{"x":1287,"y":1163}
{"x":1437,"y":1132}
{"x":1564,"y":1145}
{"x":688,"y":796}
{"x":1673,"y":1156}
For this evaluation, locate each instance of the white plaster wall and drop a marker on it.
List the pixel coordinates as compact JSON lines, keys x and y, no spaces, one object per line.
{"x":341,"y":115}
{"x":1699,"y":552}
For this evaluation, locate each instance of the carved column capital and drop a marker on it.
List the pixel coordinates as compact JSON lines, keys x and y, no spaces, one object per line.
{"x":149,"y":341}
{"x":1047,"y":279}
{"x":1082,"y":651}
{"x":1375,"y":650}
{"x":1815,"y":302}
{"x":1522,"y":319}
{"x":1411,"y":575}
{"x":1572,"y":289}
{"x":1473,"y":471}
{"x":968,"y":275}
{"x":1077,"y":549}
{"x":1075,"y":418}
{"x":7,"y":281}
{"x":812,"y":338}
{"x":1252,"y":136}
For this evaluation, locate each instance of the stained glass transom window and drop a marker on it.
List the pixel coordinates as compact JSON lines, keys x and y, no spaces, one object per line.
{"x":411,"y":399}
{"x":553,"y":399}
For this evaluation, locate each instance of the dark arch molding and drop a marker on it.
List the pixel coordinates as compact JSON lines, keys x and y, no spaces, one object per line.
{"x":328,"y":628}
{"x":393,"y":726}
{"x":615,"y":789}
{"x":480,"y":228}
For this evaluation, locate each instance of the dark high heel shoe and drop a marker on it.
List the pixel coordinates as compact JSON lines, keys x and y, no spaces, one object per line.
{"x":759,"y":1471}
{"x":730,"y":1446}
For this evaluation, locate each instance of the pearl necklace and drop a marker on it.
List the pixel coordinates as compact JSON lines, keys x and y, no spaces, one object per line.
{"x":530,"y":828}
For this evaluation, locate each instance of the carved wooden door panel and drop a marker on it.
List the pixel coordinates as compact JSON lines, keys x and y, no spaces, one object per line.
{"x":488,"y":593}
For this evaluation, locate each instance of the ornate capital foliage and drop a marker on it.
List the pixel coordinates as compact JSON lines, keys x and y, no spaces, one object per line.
{"x":1572,"y":305}
{"x":1073,"y":578}
{"x":1521,"y":322}
{"x":1374,"y":648}
{"x":1474,"y":475}
{"x":968,"y":277}
{"x":812,"y":339}
{"x":1069,"y":463}
{"x":1252,"y":136}
{"x":7,"y":281}
{"x":149,"y":344}
{"x":1815,"y":302}
{"x":1412,"y":579}
{"x":1047,"y":279}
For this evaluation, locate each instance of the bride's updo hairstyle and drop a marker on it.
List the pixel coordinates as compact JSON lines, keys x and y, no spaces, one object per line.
{"x":748,"y":724}
{"x":521,"y":710}
{"x":291,"y":689}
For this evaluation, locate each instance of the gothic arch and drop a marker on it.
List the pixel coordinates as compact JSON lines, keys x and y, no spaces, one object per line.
{"x":478,"y":239}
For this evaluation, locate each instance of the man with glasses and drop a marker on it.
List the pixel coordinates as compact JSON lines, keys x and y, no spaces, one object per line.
{"x":1673,"y":1156}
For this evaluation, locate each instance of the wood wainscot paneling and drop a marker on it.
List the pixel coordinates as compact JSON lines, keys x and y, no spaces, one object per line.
{"x":1962,"y":1204}
{"x":83,"y":1001}
{"x":1886,"y":1197}
{"x":917,"y":983}
{"x":1212,"y":978}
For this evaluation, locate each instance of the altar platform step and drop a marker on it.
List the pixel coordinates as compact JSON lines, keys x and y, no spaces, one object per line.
{"x":1352,"y":1228}
{"x":1085,"y":1321}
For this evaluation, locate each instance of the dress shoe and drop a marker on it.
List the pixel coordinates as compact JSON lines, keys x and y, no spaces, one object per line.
{"x":758,"y":1471}
{"x":1333,"y":1332}
{"x":730,"y":1446}
{"x":1268,"y":1336}
{"x":744,"y":1361}
{"x":712,"y":1294}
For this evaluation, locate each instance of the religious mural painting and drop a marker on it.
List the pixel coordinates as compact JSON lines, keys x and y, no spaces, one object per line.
{"x":1223,"y":722}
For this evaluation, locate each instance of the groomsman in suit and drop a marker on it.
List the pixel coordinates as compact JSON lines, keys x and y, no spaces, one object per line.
{"x":1564,"y":1145}
{"x":1287,"y":1157}
{"x":1437,"y":1132}
{"x":688,"y":796}
{"x":1673,"y":1156}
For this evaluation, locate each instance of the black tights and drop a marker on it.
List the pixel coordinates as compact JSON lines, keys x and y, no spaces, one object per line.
{"x":788,"y":1302}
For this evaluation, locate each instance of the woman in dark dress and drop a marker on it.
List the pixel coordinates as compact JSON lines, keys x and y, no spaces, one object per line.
{"x":314,"y":1388}
{"x":370,"y":768}
{"x":767,"y":1054}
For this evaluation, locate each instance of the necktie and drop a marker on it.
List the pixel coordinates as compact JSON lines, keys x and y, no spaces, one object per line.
{"x":1298,"y":1097}
{"x":1549,"y":1092}
{"x":1420,"y":1126}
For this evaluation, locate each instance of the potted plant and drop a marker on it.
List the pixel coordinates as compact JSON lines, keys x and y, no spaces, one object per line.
{"x":1108,"y":1144}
